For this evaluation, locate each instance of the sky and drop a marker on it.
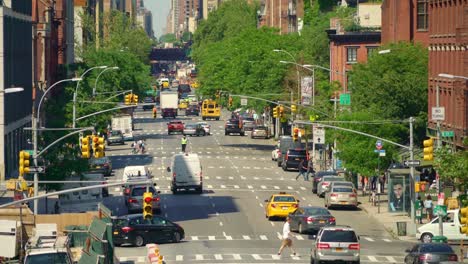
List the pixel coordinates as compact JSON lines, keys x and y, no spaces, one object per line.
{"x":160,"y":10}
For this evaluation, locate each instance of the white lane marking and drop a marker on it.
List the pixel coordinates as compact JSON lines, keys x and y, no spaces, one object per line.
{"x":303,"y":188}
{"x":246,"y":237}
{"x":372,"y":258}
{"x":276,"y":187}
{"x":263,"y":187}
{"x":279,"y":235}
{"x":220,"y":223}
{"x":211,"y":238}
{"x":256,"y":257}
{"x":179,"y":258}
{"x":369,"y":239}
{"x":210,"y":167}
{"x":387,"y":240}
{"x":290,"y":188}
{"x":199,"y":257}
{"x":236,"y":256}
{"x":391,"y":259}
{"x":272,"y":224}
{"x":223,"y":186}
{"x":194,"y":238}
{"x":250,"y":186}
{"x":218,"y":177}
{"x":263,"y":237}
{"x":299,"y":237}
{"x":231,"y":178}
{"x":210,"y":187}
{"x":275,"y":257}
{"x":228,"y":237}
{"x":236,"y":186}
{"x":295,"y":257}
{"x":218,"y":256}
{"x":261,"y":205}
{"x":256,"y":178}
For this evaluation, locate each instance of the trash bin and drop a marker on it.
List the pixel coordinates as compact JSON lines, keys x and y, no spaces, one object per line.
{"x":401,"y":228}
{"x":439,"y":239}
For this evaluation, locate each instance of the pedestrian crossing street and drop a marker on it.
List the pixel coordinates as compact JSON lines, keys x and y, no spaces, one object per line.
{"x":255,"y":258}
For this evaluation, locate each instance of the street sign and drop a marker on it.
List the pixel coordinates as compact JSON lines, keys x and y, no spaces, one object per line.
{"x":382,"y":153}
{"x":378,"y":145}
{"x":37,"y":169}
{"x":29,"y":151}
{"x":345,"y":99}
{"x":412,"y":163}
{"x":440,"y":210}
{"x":243,"y":101}
{"x":438,"y":113}
{"x":448,"y":134}
{"x":318,"y":134}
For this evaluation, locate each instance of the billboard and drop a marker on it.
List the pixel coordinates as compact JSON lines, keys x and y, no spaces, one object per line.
{"x":306,"y":90}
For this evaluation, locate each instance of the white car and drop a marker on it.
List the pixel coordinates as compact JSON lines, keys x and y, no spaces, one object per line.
{"x":206,"y":126}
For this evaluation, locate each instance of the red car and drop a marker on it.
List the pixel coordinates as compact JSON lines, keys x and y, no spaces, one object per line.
{"x":175,"y":126}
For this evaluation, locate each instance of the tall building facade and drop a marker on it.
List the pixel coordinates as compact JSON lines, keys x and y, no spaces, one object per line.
{"x":286,"y":15}
{"x":16,"y":70}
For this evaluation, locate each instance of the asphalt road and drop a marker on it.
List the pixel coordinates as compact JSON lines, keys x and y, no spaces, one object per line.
{"x":227,"y":224}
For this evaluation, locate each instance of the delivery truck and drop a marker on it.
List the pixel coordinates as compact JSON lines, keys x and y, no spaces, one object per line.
{"x":124,"y":123}
{"x":169,"y":104}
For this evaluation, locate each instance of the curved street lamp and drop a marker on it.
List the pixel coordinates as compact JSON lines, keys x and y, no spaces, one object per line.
{"x":12,"y":90}
{"x":76,"y":90}
{"x":451,"y":76}
{"x":97,"y":78}
{"x":297,"y":72}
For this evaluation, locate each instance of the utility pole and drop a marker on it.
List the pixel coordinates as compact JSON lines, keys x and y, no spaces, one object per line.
{"x":36,"y":183}
{"x":411,"y":150}
{"x":439,"y":145}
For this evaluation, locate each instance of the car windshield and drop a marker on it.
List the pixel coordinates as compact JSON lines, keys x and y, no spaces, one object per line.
{"x":116,"y":133}
{"x":338,"y":236}
{"x":288,"y":199}
{"x":441,"y":248}
{"x":139,"y":191}
{"x":339,"y":183}
{"x":175,"y":123}
{"x":261,"y":128}
{"x":316,"y":211}
{"x":120,"y":222}
{"x":295,"y":152}
{"x":99,"y":161}
{"x":56,"y":258}
{"x":342,"y":189}
{"x":330,"y":179}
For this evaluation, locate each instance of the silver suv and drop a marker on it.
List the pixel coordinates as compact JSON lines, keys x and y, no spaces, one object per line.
{"x":337,"y":243}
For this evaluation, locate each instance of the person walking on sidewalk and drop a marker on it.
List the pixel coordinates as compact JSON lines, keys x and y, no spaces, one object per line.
{"x":302,"y":170}
{"x":428,"y":207}
{"x":287,"y":241}
{"x":419,"y":208}
{"x":183,"y":142}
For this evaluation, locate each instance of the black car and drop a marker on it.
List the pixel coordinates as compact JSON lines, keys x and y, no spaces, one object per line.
{"x":430,"y":253}
{"x":184,"y":88}
{"x":115,"y":137}
{"x":318,"y":177}
{"x":234,"y":126}
{"x":133,"y":229}
{"x":311,"y":218}
{"x":192,"y":110}
{"x":100,"y":165}
{"x":293,"y":158}
{"x":148,"y":100}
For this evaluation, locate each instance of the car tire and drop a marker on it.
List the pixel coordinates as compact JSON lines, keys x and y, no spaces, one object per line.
{"x":139,"y":241}
{"x":426,"y":238}
{"x":217,"y":119}
{"x":299,"y":229}
{"x":176,"y":238}
{"x":279,"y":164}
{"x":242,"y":134}
{"x":226,"y":133}
{"x":199,"y":190}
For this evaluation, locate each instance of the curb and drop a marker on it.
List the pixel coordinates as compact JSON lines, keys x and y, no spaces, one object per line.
{"x":388,"y":230}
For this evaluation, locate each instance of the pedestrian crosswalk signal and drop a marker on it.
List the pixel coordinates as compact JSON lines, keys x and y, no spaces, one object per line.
{"x":24,"y":162}
{"x":147,"y":205}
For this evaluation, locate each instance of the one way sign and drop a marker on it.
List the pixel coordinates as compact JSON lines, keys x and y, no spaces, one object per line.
{"x":412,"y":163}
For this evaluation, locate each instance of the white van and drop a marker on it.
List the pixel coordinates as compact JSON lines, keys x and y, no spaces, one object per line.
{"x":186,"y":173}
{"x":451,"y":225}
{"x":136,"y":173}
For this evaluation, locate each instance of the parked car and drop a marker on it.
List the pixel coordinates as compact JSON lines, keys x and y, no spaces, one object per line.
{"x":312,"y":218}
{"x":100,"y":165}
{"x":249,"y":123}
{"x":148,"y":100}
{"x":336,"y":244}
{"x":260,"y":131}
{"x":115,"y":137}
{"x":133,"y":229}
{"x":341,"y":196}
{"x":324,"y":184}
{"x":134,"y":199}
{"x":206,"y":126}
{"x":194,"y":130}
{"x":293,"y":158}
{"x":175,"y":126}
{"x":451,"y":225}
{"x":318,"y":177}
{"x":430,"y":253}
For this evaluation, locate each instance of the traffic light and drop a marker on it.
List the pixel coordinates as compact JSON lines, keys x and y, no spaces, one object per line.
{"x":99,"y":149}
{"x":147,"y":205}
{"x":230,"y":101}
{"x":218,"y":94}
{"x":24,"y":162}
{"x":85,"y":148}
{"x":463,"y":218}
{"x":128,"y":99}
{"x":281,"y":111}
{"x":293,"y":108}
{"x":295,"y":134}
{"x":428,"y":149}
{"x":135,"y":99}
{"x":275,"y":112}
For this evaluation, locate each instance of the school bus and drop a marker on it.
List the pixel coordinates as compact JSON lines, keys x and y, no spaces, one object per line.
{"x":210,"y":110}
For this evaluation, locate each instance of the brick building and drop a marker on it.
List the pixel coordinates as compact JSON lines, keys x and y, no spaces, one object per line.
{"x":286,"y":15}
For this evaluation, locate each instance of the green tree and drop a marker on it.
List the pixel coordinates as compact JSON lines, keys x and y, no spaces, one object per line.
{"x":452,"y":165}
{"x":168,"y":38}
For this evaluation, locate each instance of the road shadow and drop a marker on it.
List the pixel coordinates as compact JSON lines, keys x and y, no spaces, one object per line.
{"x":250,"y":146}
{"x":119,"y":162}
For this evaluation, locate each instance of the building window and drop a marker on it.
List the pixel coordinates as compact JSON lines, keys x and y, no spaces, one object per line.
{"x":351,"y":54}
{"x":422,"y":22}
{"x":371,"y":50}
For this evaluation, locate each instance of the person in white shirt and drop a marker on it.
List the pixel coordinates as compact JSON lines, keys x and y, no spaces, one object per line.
{"x":287,"y":241}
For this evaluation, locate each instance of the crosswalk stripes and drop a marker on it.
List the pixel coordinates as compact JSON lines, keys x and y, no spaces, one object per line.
{"x":272,"y":236}
{"x":255,"y":257}
{"x":224,"y":187}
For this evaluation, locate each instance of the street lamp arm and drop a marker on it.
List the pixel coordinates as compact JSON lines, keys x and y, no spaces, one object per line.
{"x":107,"y":110}
{"x":99,"y":75}
{"x":60,"y":139}
{"x":257,"y":98}
{"x":50,"y":88}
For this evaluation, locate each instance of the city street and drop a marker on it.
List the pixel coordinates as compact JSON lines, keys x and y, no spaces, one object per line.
{"x":227,"y":224}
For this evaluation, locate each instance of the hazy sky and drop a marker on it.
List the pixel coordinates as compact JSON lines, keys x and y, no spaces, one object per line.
{"x":159,"y":9}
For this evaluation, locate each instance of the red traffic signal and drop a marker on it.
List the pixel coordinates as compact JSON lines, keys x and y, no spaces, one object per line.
{"x":148,"y":199}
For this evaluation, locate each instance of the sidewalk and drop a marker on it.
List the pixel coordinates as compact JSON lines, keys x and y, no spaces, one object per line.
{"x":388,"y":220}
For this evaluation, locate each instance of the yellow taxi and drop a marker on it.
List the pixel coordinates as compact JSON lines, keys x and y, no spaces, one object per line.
{"x":183,"y":104}
{"x":280,"y":205}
